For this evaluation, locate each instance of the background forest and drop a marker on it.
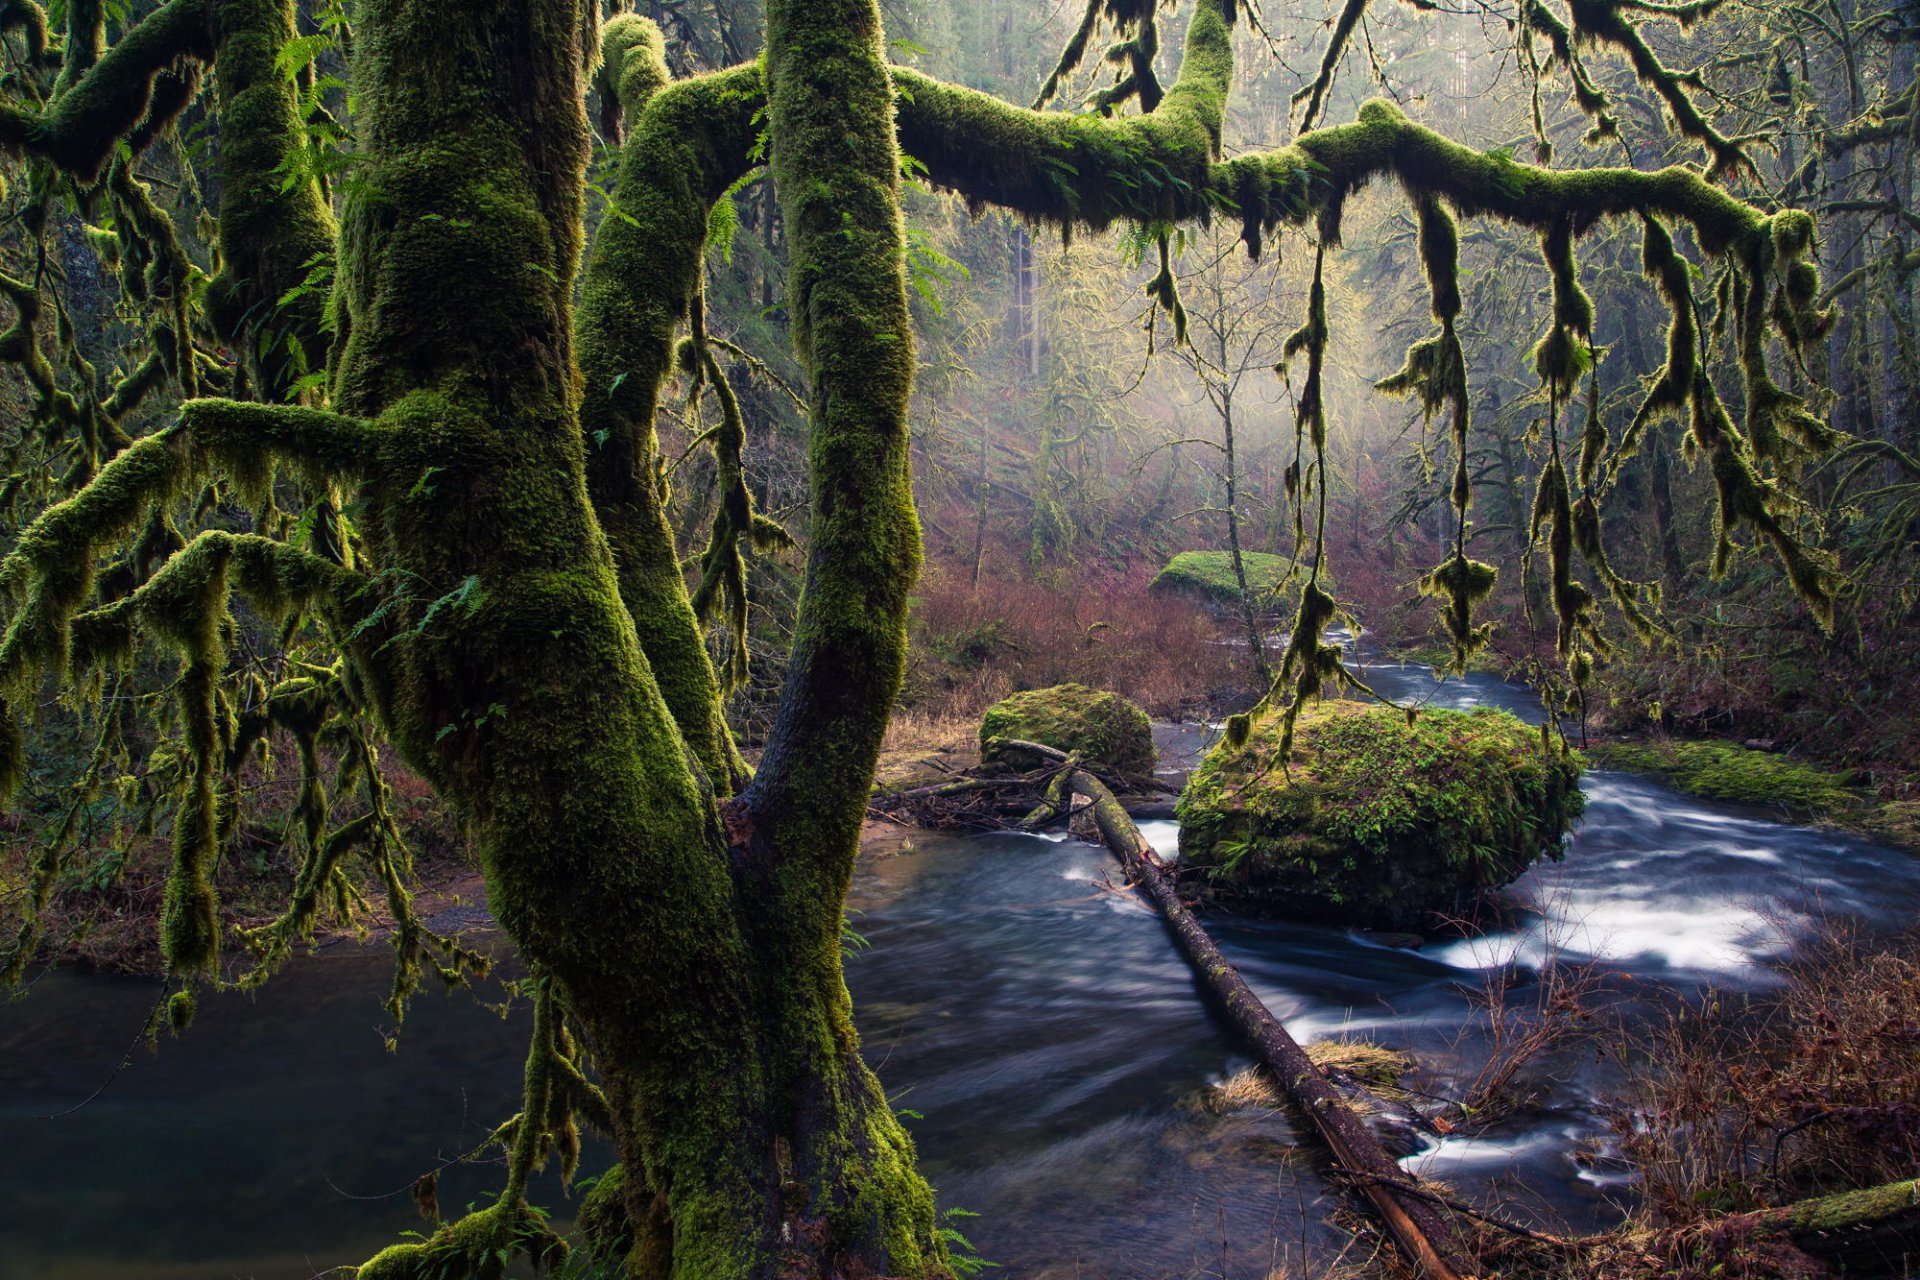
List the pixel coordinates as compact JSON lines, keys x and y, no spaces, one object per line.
{"x":1059,"y":464}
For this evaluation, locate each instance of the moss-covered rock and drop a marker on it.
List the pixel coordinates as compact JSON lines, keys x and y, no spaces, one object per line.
{"x":1104,"y":729}
{"x":1208,"y":575}
{"x":1378,"y":822}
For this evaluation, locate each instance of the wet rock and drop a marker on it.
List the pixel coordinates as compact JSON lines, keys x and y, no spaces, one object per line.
{"x":1375,"y":821}
{"x":1104,"y":729}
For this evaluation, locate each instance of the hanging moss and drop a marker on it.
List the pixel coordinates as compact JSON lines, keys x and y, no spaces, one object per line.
{"x":722,"y":585}
{"x":1378,"y":818}
{"x":1104,"y":729}
{"x":1613,"y":23}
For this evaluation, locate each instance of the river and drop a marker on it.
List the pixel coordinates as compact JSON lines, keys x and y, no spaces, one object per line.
{"x":1036,"y":1022}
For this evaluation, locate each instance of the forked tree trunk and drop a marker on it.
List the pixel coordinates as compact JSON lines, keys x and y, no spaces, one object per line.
{"x":705,"y":973}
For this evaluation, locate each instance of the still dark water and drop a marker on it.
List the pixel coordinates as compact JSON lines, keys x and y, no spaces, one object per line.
{"x":1042,"y":1025}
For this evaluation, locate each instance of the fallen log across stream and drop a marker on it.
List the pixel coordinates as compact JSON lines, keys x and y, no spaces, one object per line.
{"x":1868,"y":1233}
{"x":1425,"y":1234}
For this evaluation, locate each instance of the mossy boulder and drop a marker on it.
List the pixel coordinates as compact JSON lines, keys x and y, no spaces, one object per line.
{"x":1209,"y":576}
{"x":1104,"y":729}
{"x":1378,"y":822}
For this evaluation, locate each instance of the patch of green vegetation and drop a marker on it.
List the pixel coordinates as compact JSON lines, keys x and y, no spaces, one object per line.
{"x":1104,"y":729}
{"x":1895,"y":822}
{"x":1727,"y":771}
{"x":1209,"y":575}
{"x":1377,"y":821}
{"x":975,"y":646}
{"x":1854,"y":1208}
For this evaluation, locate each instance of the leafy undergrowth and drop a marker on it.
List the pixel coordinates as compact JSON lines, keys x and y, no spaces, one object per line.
{"x":974,"y":645}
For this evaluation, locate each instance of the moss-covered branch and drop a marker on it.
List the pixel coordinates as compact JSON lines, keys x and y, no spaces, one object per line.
{"x":79,"y":131}
{"x":796,"y":828}
{"x":51,"y":567}
{"x":1077,"y":170}
{"x":275,"y":224}
{"x":685,"y":144}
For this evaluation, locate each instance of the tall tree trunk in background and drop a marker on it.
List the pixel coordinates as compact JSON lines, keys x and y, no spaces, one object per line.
{"x":1673,"y":563}
{"x":1249,"y":618}
{"x":983,"y":484}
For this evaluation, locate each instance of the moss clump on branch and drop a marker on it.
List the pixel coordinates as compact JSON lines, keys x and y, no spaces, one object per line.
{"x":79,"y":132}
{"x":1378,"y":818}
{"x":1103,"y":729}
{"x":1209,"y":575}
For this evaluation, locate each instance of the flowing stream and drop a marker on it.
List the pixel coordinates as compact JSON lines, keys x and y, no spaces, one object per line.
{"x":1037,"y":1024}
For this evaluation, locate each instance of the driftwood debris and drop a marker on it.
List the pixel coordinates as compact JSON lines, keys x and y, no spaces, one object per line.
{"x":1003,"y":800}
{"x":1424,"y":1233}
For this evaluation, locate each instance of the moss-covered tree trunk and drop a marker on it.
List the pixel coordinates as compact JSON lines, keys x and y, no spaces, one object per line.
{"x":707,"y":978}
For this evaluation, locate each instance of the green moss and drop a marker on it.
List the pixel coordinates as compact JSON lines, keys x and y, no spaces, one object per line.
{"x":1895,"y":822}
{"x":603,"y":1217}
{"x":685,"y":144}
{"x":1104,"y":729}
{"x":275,"y":224}
{"x":1209,"y":575}
{"x":79,"y":132}
{"x":1378,"y":821}
{"x":479,"y":1246}
{"x":1727,"y":771}
{"x":1853,"y":1208}
{"x":1441,"y":656}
